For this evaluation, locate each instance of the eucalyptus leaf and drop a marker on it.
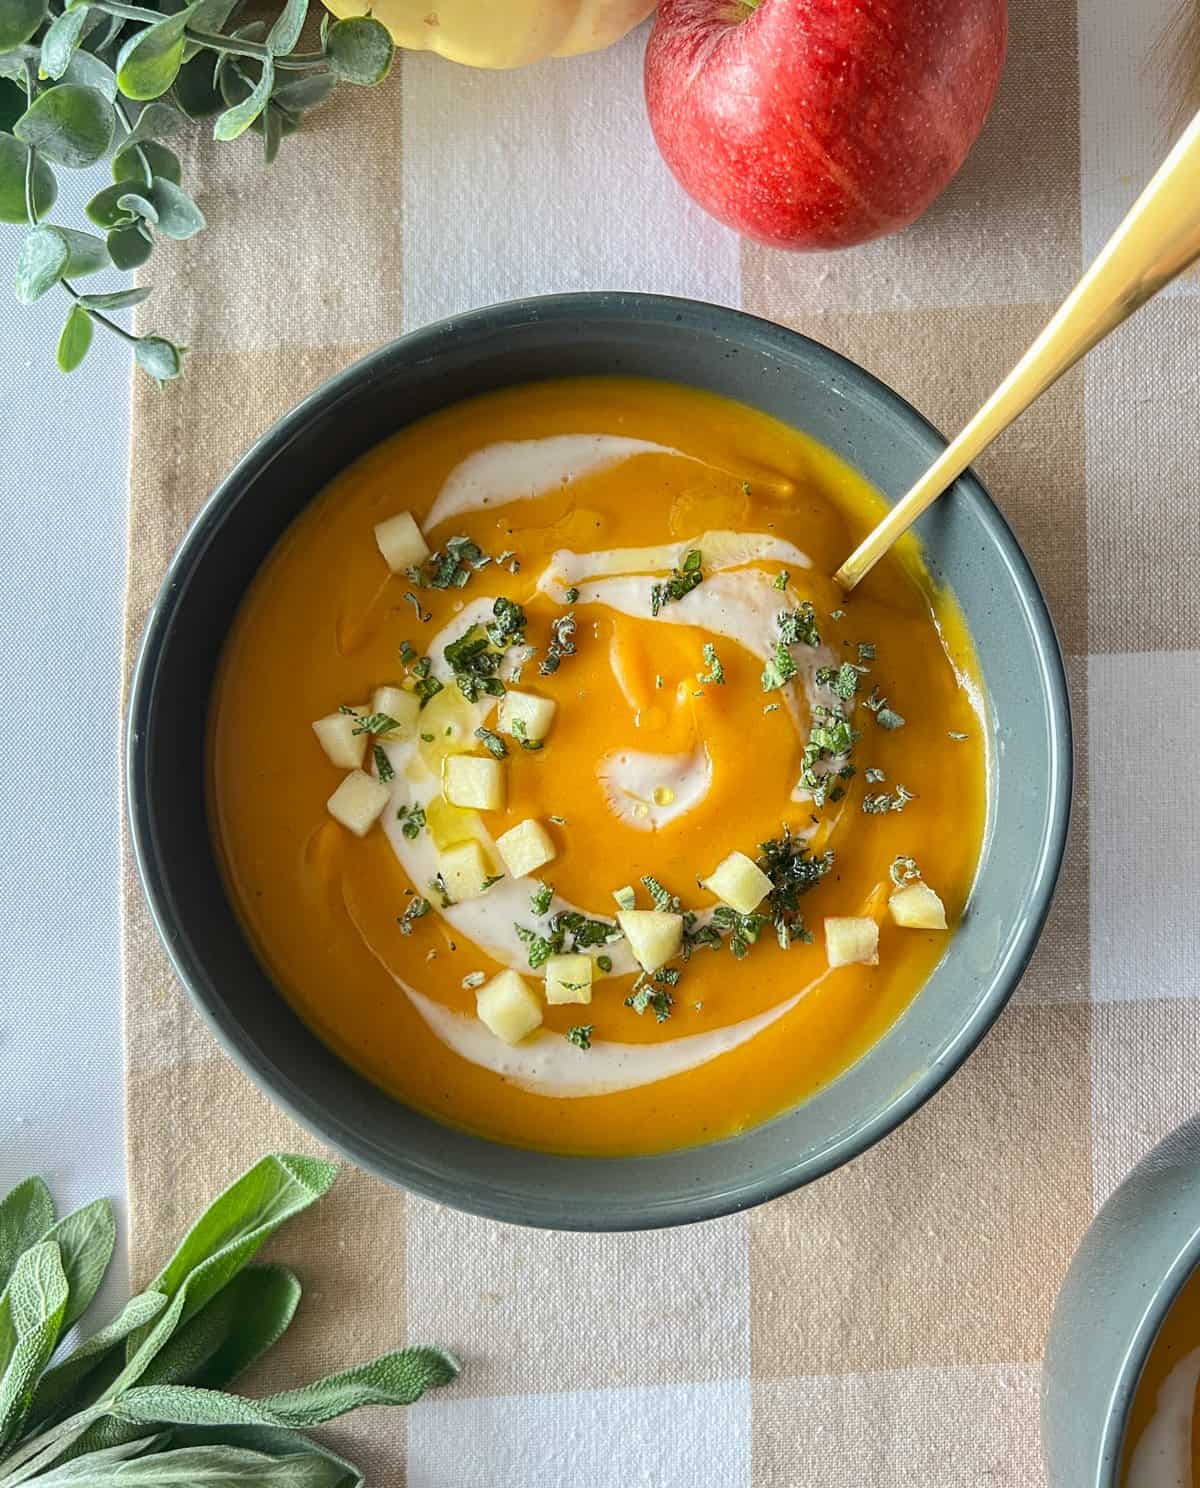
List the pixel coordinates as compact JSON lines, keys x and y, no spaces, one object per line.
{"x":163,"y":360}
{"x":218,"y":1466}
{"x":86,"y":253}
{"x":14,"y":156}
{"x":195,"y":91}
{"x":58,"y":44}
{"x":231,"y":1331}
{"x":285,"y":32}
{"x":89,"y":71}
{"x":116,"y":299}
{"x":238,"y":119}
{"x":178,"y":215}
{"x":15,"y":62}
{"x":130,"y":161}
{"x":41,"y":262}
{"x":128,"y":247}
{"x":60,"y":1384}
{"x":138,"y":205}
{"x":399,"y":1378}
{"x":12,"y":104}
{"x":149,"y":61}
{"x":271,"y":120}
{"x":360,"y":49}
{"x":211,"y":15}
{"x":26,"y":1213}
{"x":156,"y":121}
{"x":31,"y":1316}
{"x":305,"y":92}
{"x":104,"y":208}
{"x":19,"y":19}
{"x":71,"y":125}
{"x":86,"y":1238}
{"x":75,"y":339}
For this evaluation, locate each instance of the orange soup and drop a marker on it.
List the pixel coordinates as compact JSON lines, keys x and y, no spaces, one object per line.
{"x":563,"y":793}
{"x":1162,"y":1439}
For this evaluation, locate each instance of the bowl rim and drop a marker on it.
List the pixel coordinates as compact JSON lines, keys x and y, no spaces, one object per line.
{"x":737,"y":327}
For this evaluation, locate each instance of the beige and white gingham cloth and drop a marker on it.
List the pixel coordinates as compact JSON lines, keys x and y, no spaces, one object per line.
{"x":884,"y":1326}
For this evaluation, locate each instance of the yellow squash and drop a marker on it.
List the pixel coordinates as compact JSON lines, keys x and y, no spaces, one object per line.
{"x":503,"y":33}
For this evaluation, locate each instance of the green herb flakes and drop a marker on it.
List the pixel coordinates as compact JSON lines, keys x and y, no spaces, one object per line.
{"x":657,"y":999}
{"x":424,"y":616}
{"x":799,"y":626}
{"x":782,"y":579}
{"x":541,"y":899}
{"x":521,"y":733}
{"x":507,"y":625}
{"x":413,"y":818}
{"x":451,"y":568}
{"x":571,"y":595}
{"x":793,"y":871}
{"x":866,"y":651}
{"x":375,"y":723}
{"x":492,"y":742}
{"x":383,"y":765}
{"x":897,"y":801}
{"x":716,"y":672}
{"x":904,"y":870}
{"x":888,"y":718}
{"x":604,"y":963}
{"x":780,"y":668}
{"x":842,"y":681}
{"x":666,"y":902}
{"x":562,"y":644}
{"x":681,"y":582}
{"x":580,"y":1034}
{"x":416,"y":909}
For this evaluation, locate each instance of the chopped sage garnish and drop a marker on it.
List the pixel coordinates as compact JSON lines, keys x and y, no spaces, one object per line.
{"x":580,"y":1034}
{"x":716,"y":672}
{"x":541,"y":899}
{"x":383,"y":765}
{"x":492,"y":742}
{"x":562,"y":644}
{"x":416,"y":909}
{"x":680,"y":583}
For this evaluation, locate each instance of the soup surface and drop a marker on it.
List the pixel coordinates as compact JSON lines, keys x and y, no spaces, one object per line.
{"x":638,"y":830}
{"x":1162,"y":1440}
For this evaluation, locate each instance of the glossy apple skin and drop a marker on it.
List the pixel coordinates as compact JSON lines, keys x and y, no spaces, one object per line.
{"x":814,"y":124}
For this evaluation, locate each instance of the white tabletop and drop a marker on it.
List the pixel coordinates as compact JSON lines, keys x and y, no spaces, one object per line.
{"x":62,"y":533}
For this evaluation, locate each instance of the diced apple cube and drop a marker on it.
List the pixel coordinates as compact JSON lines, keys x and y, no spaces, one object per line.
{"x":358,"y":802}
{"x":446,"y":726}
{"x":337,"y":738}
{"x":739,"y":882}
{"x":465,"y":871}
{"x":400,"y":542}
{"x":524,"y":715}
{"x":653,"y":935}
{"x":509,"y":1007}
{"x":400,"y":705}
{"x":525,"y":847}
{"x":473,"y":781}
{"x":851,"y":940}
{"x":449,"y":824}
{"x":568,"y":979}
{"x":917,"y":907}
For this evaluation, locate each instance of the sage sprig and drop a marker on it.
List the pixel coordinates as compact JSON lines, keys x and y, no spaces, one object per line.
{"x":69,"y":71}
{"x":142,"y":1400}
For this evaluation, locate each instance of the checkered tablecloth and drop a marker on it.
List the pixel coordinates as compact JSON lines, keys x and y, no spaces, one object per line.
{"x":883,"y":1327}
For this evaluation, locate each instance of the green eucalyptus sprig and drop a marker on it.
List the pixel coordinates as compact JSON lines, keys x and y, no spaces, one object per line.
{"x":141,"y":1402}
{"x":67,"y":74}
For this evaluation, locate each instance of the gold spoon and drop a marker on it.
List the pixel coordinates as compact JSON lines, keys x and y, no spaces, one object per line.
{"x":1157,"y":240}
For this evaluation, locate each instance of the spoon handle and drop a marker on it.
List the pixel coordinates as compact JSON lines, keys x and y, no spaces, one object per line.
{"x":1157,"y":240}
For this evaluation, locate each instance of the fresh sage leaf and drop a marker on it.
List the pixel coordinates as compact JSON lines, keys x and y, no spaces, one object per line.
{"x":26,"y":1213}
{"x":360,"y":50}
{"x":75,"y":339}
{"x":86,"y":1238}
{"x":195,"y":91}
{"x":178,"y":215}
{"x":100,"y":1469}
{"x":19,"y":19}
{"x":138,"y":205}
{"x":156,"y":121}
{"x":274,"y":1441}
{"x":222,"y":1466}
{"x":148,"y":62}
{"x":59,"y":1384}
{"x":128,"y":247}
{"x":231,"y":1331}
{"x":236,"y":120}
{"x":117,"y":299}
{"x":31,"y":1315}
{"x":71,"y":125}
{"x":285,"y":32}
{"x":229,"y":1234}
{"x":86,"y":253}
{"x":105,"y":210}
{"x":163,"y":360}
{"x":305,"y":92}
{"x":58,"y":45}
{"x":128,"y":163}
{"x":399,"y":1378}
{"x":41,"y":262}
{"x":86,"y":69}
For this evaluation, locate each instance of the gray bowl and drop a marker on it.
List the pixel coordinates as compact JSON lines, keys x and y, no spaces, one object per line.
{"x":969,"y":545}
{"x":1128,"y":1270}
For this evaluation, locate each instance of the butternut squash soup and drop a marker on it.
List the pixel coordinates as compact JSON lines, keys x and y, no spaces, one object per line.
{"x":563,"y":793}
{"x":1162,"y":1440}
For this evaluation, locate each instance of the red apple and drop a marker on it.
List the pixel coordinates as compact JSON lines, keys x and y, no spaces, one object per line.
{"x":820,"y":123}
